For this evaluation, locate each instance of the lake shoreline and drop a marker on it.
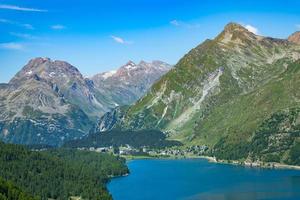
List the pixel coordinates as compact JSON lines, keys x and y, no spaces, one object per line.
{"x":258,"y":164}
{"x":201,"y":178}
{"x":262,"y":165}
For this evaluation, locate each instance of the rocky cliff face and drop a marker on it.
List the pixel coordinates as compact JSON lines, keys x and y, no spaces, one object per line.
{"x":221,"y":91}
{"x":295,"y":37}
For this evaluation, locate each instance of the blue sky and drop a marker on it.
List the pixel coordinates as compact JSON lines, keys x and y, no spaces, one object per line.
{"x":101,"y":35}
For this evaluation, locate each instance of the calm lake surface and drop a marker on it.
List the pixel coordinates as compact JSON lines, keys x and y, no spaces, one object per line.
{"x":191,"y":179}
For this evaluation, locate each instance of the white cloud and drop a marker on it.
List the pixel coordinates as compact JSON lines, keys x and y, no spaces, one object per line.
{"x":18,"y":8}
{"x":251,"y":29}
{"x":120,"y":40}
{"x":298,"y":26}
{"x":12,"y":46}
{"x":58,"y":27}
{"x":175,"y":22}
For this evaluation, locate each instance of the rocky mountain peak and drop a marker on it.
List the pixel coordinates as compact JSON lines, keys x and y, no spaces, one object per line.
{"x":234,"y":27}
{"x":295,"y":37}
{"x":133,"y":69}
{"x":38,"y":61}
{"x":47,"y":69}
{"x":46,"y":63}
{"x":129,"y":65}
{"x":236,"y":33}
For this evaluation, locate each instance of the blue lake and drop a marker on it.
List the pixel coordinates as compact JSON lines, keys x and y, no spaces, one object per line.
{"x":193,"y":179}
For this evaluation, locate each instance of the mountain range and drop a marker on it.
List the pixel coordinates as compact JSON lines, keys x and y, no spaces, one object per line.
{"x":237,"y":93}
{"x":48,"y":102}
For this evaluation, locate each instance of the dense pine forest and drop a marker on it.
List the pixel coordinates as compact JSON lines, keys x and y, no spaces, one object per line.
{"x":8,"y":191}
{"x":276,"y":140}
{"x":56,"y":174}
{"x":115,"y":137}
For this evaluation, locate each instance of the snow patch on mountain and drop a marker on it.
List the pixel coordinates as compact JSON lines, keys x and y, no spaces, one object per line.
{"x":29,"y":72}
{"x":130,"y":65}
{"x":52,"y":74}
{"x":109,"y":74}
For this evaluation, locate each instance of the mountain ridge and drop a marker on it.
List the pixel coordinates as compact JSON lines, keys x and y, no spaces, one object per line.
{"x":204,"y":99}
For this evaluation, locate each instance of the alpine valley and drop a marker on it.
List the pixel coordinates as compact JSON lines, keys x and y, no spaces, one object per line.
{"x":237,"y":94}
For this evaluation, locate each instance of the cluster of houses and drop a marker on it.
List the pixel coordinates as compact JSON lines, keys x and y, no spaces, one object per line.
{"x":196,"y":150}
{"x":123,"y":150}
{"x":99,"y":149}
{"x":128,"y":150}
{"x":179,"y":152}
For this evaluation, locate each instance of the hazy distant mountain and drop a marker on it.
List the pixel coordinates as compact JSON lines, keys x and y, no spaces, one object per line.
{"x":238,"y":93}
{"x":127,"y":84}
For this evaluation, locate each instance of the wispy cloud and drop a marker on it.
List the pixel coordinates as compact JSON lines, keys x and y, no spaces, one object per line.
{"x":298,"y":26}
{"x":179,"y":23}
{"x":57,"y":27}
{"x":120,"y":40}
{"x":6,"y":21}
{"x":251,"y":28}
{"x":22,"y":35}
{"x":11,"y":46}
{"x":18,"y":8}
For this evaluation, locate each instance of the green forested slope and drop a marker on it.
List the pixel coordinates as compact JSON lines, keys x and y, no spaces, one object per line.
{"x":221,"y":92}
{"x":8,"y":191}
{"x":230,"y":127}
{"x":138,"y":139}
{"x":61,"y":173}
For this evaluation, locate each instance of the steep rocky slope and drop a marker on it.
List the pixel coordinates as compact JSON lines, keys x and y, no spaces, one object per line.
{"x":221,"y":92}
{"x":295,"y":37}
